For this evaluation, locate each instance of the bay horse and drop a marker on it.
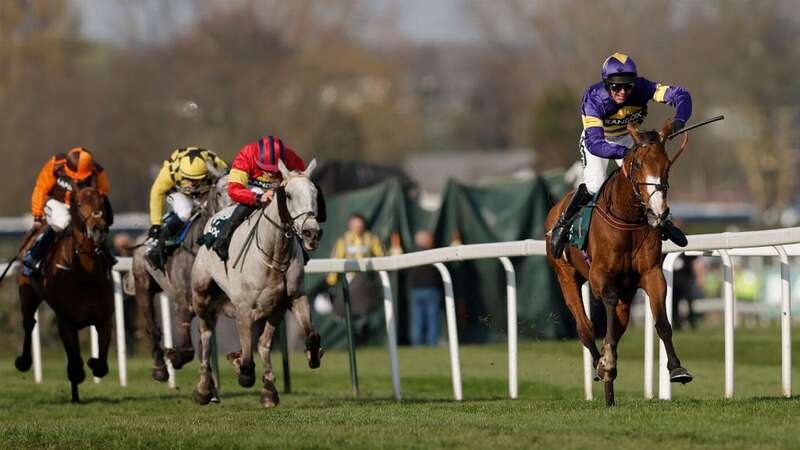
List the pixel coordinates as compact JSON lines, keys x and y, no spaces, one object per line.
{"x":260,"y":282}
{"x":623,"y":253}
{"x":175,"y":282}
{"x":76,"y":283}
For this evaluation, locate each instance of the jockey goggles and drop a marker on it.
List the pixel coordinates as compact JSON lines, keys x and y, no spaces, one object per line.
{"x":616,"y":87}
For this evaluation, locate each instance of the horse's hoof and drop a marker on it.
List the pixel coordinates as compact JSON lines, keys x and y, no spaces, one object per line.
{"x":23,"y":363}
{"x":605,"y":375}
{"x":269,"y":395}
{"x":99,"y":367}
{"x":314,"y":360}
{"x":160,"y":373}
{"x":247,"y":379}
{"x":201,"y":399}
{"x":680,"y":375}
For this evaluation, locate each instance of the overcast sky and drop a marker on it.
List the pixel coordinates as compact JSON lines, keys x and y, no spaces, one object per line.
{"x":423,"y":21}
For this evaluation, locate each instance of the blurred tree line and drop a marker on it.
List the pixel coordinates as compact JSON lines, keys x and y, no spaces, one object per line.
{"x":337,"y":80}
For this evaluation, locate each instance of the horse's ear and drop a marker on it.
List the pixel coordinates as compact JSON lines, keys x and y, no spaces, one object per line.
{"x":284,"y":171}
{"x":634,"y":133}
{"x":665,"y":131}
{"x":310,"y":168}
{"x":322,"y":210}
{"x":283,"y":207}
{"x":213,"y":170}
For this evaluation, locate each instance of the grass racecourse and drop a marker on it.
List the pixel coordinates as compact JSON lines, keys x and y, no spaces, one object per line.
{"x":550,"y":412}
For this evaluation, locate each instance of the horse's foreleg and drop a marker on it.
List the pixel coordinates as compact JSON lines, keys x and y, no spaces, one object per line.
{"x":244,"y":362}
{"x":610,"y":298}
{"x":145,"y":299}
{"x":653,"y":283}
{"x":269,"y":393}
{"x":302,"y":312}
{"x":205,"y":390}
{"x":29,"y":303}
{"x":99,"y":365}
{"x":75,"y":372}
{"x":183,"y":352}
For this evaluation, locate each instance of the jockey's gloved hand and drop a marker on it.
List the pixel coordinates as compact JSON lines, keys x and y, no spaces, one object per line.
{"x":677,"y":125}
{"x":154,"y":232}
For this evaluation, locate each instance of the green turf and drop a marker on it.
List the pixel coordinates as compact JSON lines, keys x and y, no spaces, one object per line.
{"x":550,"y":412}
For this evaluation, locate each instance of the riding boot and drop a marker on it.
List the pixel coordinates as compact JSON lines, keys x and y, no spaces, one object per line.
{"x":156,"y":254}
{"x":111,"y":259}
{"x":32,"y":261}
{"x":560,"y":232}
{"x":673,"y":233}
{"x":238,"y":215}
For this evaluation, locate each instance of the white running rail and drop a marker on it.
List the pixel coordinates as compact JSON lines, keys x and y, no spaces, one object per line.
{"x":780,"y":242}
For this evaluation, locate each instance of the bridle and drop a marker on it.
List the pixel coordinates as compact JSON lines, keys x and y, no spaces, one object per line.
{"x":80,"y":223}
{"x":290,"y":230}
{"x":636,"y":185}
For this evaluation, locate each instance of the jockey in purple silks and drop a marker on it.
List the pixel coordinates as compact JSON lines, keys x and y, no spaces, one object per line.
{"x":607,"y":108}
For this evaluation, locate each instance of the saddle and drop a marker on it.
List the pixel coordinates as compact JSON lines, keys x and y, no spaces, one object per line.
{"x":579,"y":230}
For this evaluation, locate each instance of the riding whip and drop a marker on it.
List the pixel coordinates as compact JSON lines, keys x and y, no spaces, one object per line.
{"x":705,"y":122}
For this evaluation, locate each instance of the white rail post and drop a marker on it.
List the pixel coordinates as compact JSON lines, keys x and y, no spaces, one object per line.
{"x":511,"y":302}
{"x":664,"y":386}
{"x":649,"y":331}
{"x":119,"y":318}
{"x":587,"y":356}
{"x":730,"y":300}
{"x":391,"y":331}
{"x":36,"y":343}
{"x":786,"y":323}
{"x":166,"y":328}
{"x":95,"y":346}
{"x":452,"y":330}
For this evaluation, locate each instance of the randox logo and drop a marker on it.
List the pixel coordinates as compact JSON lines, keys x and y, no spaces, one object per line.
{"x":638,"y":116}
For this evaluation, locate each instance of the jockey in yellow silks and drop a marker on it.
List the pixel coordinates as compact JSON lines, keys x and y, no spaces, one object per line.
{"x":183,"y":178}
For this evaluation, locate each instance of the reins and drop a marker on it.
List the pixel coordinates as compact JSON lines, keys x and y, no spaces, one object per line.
{"x":289,"y":230}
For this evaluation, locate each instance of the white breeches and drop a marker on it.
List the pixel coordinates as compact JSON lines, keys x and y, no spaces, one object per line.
{"x":57,"y":215}
{"x":595,"y":168}
{"x":181,"y":204}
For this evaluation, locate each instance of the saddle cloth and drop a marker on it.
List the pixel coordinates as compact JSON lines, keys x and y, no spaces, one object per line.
{"x":580,"y":226}
{"x":214,"y":227}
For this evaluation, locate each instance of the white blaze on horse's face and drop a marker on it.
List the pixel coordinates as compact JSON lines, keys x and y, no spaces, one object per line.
{"x":656,"y":202}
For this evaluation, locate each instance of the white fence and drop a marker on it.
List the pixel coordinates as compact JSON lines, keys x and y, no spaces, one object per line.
{"x":757,"y":243}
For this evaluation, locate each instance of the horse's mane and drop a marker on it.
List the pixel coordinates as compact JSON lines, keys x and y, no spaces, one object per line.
{"x":649,"y":137}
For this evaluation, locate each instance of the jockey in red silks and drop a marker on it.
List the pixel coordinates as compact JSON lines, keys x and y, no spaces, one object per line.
{"x":251,"y":183}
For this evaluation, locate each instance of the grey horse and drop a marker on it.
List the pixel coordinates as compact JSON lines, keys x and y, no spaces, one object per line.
{"x":261,"y":281}
{"x":175,"y":282}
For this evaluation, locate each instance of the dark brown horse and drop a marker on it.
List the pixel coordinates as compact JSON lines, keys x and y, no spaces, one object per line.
{"x":76,"y":283}
{"x":623,"y":253}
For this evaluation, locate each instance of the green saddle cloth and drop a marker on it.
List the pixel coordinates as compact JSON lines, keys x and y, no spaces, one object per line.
{"x":580,"y":226}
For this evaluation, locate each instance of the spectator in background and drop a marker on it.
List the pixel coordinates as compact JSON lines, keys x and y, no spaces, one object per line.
{"x":357,"y":242}
{"x":426,"y":297}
